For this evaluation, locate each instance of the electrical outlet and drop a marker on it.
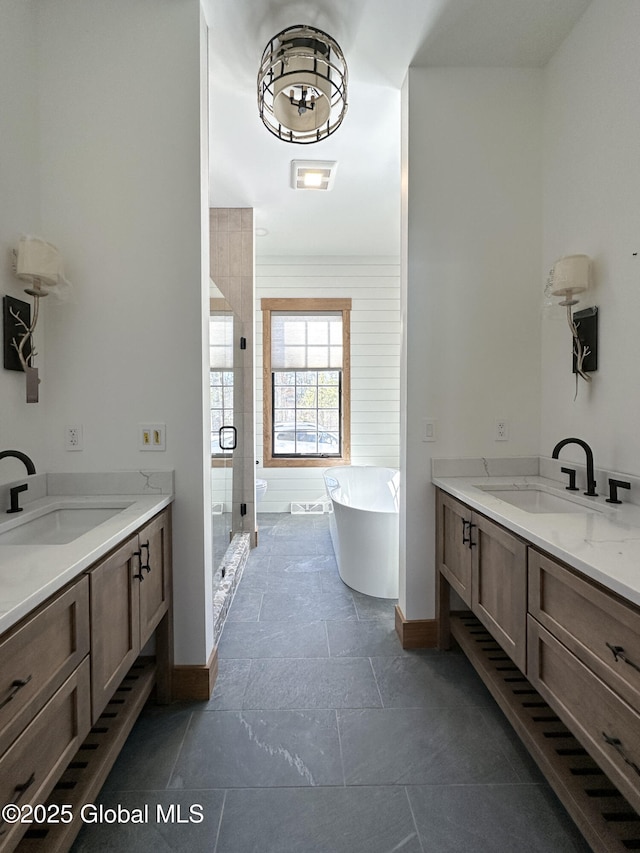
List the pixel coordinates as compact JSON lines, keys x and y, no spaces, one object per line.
{"x":73,"y":439}
{"x":502,"y":430}
{"x":152,"y":437}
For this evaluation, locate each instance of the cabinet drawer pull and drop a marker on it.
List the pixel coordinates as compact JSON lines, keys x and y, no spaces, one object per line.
{"x":472,"y":544}
{"x":616,"y":743}
{"x":138,"y":575}
{"x":24,"y":786}
{"x":19,"y":790}
{"x":145,"y":565}
{"x":464,"y":521}
{"x":618,"y":654}
{"x":16,"y":685}
{"x":466,"y":540}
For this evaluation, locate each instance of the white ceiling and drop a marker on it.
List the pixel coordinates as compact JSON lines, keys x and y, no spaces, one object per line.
{"x":380,"y":39}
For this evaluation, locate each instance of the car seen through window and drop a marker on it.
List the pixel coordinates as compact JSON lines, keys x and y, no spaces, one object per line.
{"x":304,"y":440}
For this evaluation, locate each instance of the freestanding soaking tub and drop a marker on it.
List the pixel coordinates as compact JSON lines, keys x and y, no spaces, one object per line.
{"x":364,"y":527}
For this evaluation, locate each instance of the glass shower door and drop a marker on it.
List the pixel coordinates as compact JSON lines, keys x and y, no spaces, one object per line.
{"x":223,"y":429}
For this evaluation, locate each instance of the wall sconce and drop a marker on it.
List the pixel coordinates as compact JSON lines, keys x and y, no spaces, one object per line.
{"x":571,"y":275}
{"x":40,"y":264}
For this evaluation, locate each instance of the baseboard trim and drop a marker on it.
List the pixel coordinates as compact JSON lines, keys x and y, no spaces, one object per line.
{"x":195,"y":682}
{"x":416,"y":633}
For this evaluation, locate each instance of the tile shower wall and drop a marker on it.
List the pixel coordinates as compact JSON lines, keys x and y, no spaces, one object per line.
{"x":374,"y":287}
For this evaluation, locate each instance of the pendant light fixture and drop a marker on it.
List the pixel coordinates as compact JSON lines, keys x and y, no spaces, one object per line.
{"x":302,"y":85}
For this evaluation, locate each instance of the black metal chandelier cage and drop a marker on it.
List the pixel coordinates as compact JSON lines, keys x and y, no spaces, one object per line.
{"x":302,"y":85}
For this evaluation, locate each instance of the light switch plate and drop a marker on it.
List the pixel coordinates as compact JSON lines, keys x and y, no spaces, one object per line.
{"x":429,"y":429}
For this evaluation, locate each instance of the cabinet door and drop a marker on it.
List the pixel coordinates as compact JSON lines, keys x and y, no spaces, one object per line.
{"x":115,"y":622}
{"x":452,"y":543}
{"x":155,"y":549}
{"x":499,"y":586}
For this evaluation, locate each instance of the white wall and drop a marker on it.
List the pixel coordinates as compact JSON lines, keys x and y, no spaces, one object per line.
{"x":115,"y":143}
{"x":21,"y":424}
{"x":592,"y":206}
{"x":373,"y":284}
{"x":472,"y":179}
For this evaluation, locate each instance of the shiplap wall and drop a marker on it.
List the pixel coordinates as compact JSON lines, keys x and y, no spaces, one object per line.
{"x":373,"y":284}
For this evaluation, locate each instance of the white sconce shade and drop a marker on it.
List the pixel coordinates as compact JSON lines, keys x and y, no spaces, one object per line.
{"x":40,"y":263}
{"x":570,"y":275}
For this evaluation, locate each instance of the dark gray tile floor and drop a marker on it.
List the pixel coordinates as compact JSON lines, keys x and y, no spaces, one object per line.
{"x":324,"y":736}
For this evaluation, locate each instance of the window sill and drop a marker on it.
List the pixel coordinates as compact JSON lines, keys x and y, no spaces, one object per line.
{"x":305,"y":462}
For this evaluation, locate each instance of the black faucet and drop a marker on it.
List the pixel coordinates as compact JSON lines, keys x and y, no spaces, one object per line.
{"x":591,"y":483}
{"x":15,"y":491}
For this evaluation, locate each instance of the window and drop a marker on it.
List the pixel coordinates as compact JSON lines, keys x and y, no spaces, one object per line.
{"x":220,"y":378}
{"x":306,"y":382}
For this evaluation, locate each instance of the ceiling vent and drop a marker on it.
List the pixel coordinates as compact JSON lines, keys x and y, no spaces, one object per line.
{"x":313,"y":174}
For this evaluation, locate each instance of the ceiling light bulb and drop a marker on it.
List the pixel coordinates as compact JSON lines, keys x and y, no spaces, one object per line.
{"x":312,"y":179}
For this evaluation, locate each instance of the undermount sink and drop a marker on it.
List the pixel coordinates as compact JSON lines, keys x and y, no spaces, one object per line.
{"x":536,"y":499}
{"x":59,"y":525}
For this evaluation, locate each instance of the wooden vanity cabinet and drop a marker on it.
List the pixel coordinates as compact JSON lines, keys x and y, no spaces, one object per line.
{"x":576,"y":700}
{"x":44,"y":700}
{"x":73,"y":682}
{"x":129,"y":592}
{"x":584,"y":659}
{"x":487,"y":566}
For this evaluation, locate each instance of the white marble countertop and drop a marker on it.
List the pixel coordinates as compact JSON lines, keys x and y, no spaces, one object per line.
{"x":30,"y":573}
{"x":599,"y":539}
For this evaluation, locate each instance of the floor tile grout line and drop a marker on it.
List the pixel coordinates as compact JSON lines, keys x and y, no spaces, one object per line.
{"x":433,"y":784}
{"x":179,"y":750}
{"x":224,"y":802}
{"x":262,"y":594}
{"x":344,"y":775}
{"x":395,"y":708}
{"x":413,"y":818}
{"x":375,"y":678}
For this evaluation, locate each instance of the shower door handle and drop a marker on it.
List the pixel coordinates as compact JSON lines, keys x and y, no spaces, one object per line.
{"x":234,"y":439}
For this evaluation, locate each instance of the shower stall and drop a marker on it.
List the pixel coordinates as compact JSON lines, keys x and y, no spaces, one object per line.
{"x":232,"y":400}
